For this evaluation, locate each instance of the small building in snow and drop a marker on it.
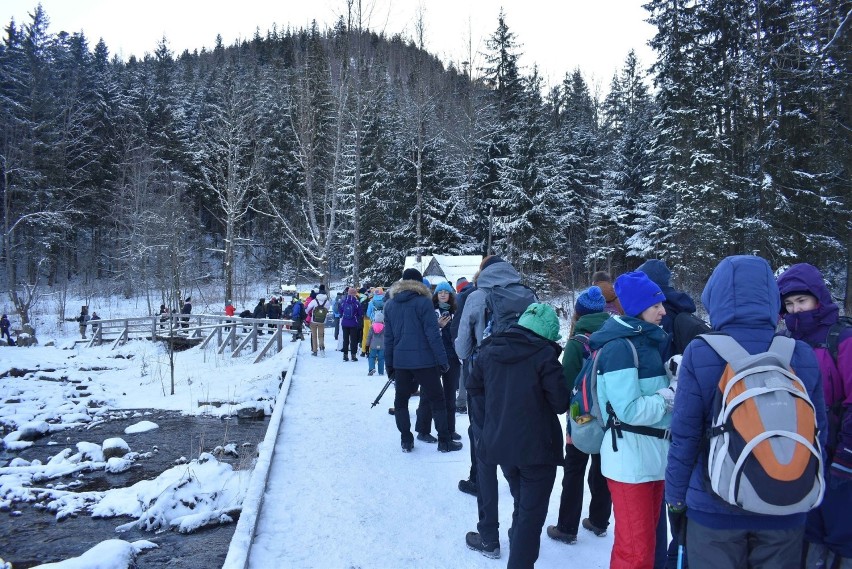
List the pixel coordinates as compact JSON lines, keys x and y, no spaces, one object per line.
{"x":440,"y":268}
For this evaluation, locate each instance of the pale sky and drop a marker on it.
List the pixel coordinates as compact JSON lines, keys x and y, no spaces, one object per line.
{"x":558,"y":35}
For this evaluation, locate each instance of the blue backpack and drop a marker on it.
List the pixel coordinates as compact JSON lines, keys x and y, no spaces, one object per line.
{"x":584,"y":415}
{"x":348,"y":309}
{"x":297,"y":310}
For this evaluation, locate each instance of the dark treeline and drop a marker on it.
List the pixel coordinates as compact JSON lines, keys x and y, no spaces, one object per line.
{"x":322,"y":153}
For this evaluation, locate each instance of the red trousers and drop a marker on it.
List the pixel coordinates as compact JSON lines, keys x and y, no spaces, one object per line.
{"x":637,"y":511}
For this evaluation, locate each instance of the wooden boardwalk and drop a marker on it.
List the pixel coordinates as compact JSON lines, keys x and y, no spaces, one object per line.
{"x":188,"y":330}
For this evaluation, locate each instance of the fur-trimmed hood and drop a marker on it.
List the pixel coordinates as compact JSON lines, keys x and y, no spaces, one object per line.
{"x":414,"y":287}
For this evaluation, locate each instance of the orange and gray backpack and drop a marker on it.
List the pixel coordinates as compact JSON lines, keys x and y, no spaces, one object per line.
{"x":764,"y":451}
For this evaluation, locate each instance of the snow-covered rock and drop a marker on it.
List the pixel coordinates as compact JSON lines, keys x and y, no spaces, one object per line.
{"x":115,"y":447}
{"x":141,"y":427}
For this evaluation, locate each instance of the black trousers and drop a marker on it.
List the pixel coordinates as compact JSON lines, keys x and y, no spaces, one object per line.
{"x":732,"y":549}
{"x":484,"y":475}
{"x":351,"y":339}
{"x":450,"y":382}
{"x":531,"y":486}
{"x":571,"y":501}
{"x":429,"y":380}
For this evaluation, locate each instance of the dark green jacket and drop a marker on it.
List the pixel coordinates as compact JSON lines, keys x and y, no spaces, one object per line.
{"x":572,"y":358}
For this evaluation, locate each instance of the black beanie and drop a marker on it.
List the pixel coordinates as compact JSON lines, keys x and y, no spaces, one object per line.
{"x":412,"y":275}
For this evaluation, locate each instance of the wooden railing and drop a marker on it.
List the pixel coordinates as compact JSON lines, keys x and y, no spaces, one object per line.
{"x":193,"y":329}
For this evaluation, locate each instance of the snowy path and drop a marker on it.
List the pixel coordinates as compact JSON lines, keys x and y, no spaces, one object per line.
{"x":341,"y":494}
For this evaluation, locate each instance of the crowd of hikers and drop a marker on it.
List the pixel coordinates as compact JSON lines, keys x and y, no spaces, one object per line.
{"x":731,"y":436}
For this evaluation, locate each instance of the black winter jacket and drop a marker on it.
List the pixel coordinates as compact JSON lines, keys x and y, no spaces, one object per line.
{"x":519,"y":378}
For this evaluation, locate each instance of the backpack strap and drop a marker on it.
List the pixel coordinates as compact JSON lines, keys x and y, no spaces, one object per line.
{"x":733,"y":353}
{"x":615,"y":425}
{"x":832,"y":341}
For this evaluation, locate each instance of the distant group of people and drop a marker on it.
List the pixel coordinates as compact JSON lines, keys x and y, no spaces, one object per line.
{"x":658,"y":396}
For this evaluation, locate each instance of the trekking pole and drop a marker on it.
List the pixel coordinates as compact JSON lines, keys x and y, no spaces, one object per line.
{"x":681,"y":543}
{"x":382,"y":392}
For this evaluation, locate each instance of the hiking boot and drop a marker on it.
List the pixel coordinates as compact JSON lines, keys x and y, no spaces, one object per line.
{"x":407,"y":446}
{"x":354,"y":359}
{"x":554,"y":532}
{"x":345,"y":359}
{"x":474,"y":542}
{"x":456,"y":436}
{"x":313,"y":353}
{"x":426,"y":438}
{"x":461,"y":409}
{"x":371,"y":372}
{"x":449,"y":446}
{"x":587,"y":524}
{"x":468,"y":487}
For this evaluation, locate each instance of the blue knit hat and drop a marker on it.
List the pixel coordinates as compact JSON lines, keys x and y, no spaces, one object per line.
{"x":590,"y":301}
{"x":427,"y":283}
{"x":637,"y":292}
{"x":444,"y":286}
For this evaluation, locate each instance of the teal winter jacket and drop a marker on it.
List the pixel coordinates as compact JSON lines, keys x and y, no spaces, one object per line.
{"x":632,"y":394}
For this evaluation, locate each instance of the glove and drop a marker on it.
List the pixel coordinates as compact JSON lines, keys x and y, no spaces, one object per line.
{"x":391,"y":372}
{"x":677,"y":521}
{"x":444,"y":368}
{"x":668,"y":395}
{"x":841,"y":467}
{"x":672,"y":367}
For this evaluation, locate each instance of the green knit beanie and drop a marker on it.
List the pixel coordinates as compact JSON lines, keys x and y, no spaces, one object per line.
{"x":541,"y":319}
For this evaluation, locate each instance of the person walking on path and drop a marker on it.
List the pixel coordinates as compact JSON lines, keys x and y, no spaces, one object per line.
{"x":187,"y":310}
{"x":319,"y":305}
{"x":415,"y":355}
{"x":518,"y":374}
{"x":590,"y":316}
{"x":743,"y":302}
{"x":83,"y":319}
{"x":811,"y":315}
{"x":350,"y":321}
{"x":4,"y":330}
{"x":376,"y":344}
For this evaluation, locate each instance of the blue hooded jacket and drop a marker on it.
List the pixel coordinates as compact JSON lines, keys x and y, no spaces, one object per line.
{"x":412,"y":334}
{"x":743,"y":302}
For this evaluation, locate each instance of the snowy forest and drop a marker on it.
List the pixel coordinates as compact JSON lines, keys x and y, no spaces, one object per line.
{"x":310,"y":155}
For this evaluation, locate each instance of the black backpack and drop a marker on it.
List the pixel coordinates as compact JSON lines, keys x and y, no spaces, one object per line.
{"x":504,"y":306}
{"x":685,"y":328}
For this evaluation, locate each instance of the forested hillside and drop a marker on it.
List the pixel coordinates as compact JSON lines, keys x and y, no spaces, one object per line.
{"x":336,"y":152}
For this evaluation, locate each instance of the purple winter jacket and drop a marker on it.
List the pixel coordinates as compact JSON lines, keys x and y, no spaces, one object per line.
{"x":813,"y":326}
{"x":354,"y":320}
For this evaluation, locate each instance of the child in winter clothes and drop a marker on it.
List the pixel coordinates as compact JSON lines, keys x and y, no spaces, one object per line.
{"x":375,"y":343}
{"x":811,"y":315}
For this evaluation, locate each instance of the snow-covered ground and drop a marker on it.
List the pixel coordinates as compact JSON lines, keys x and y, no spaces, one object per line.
{"x":340,"y":492}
